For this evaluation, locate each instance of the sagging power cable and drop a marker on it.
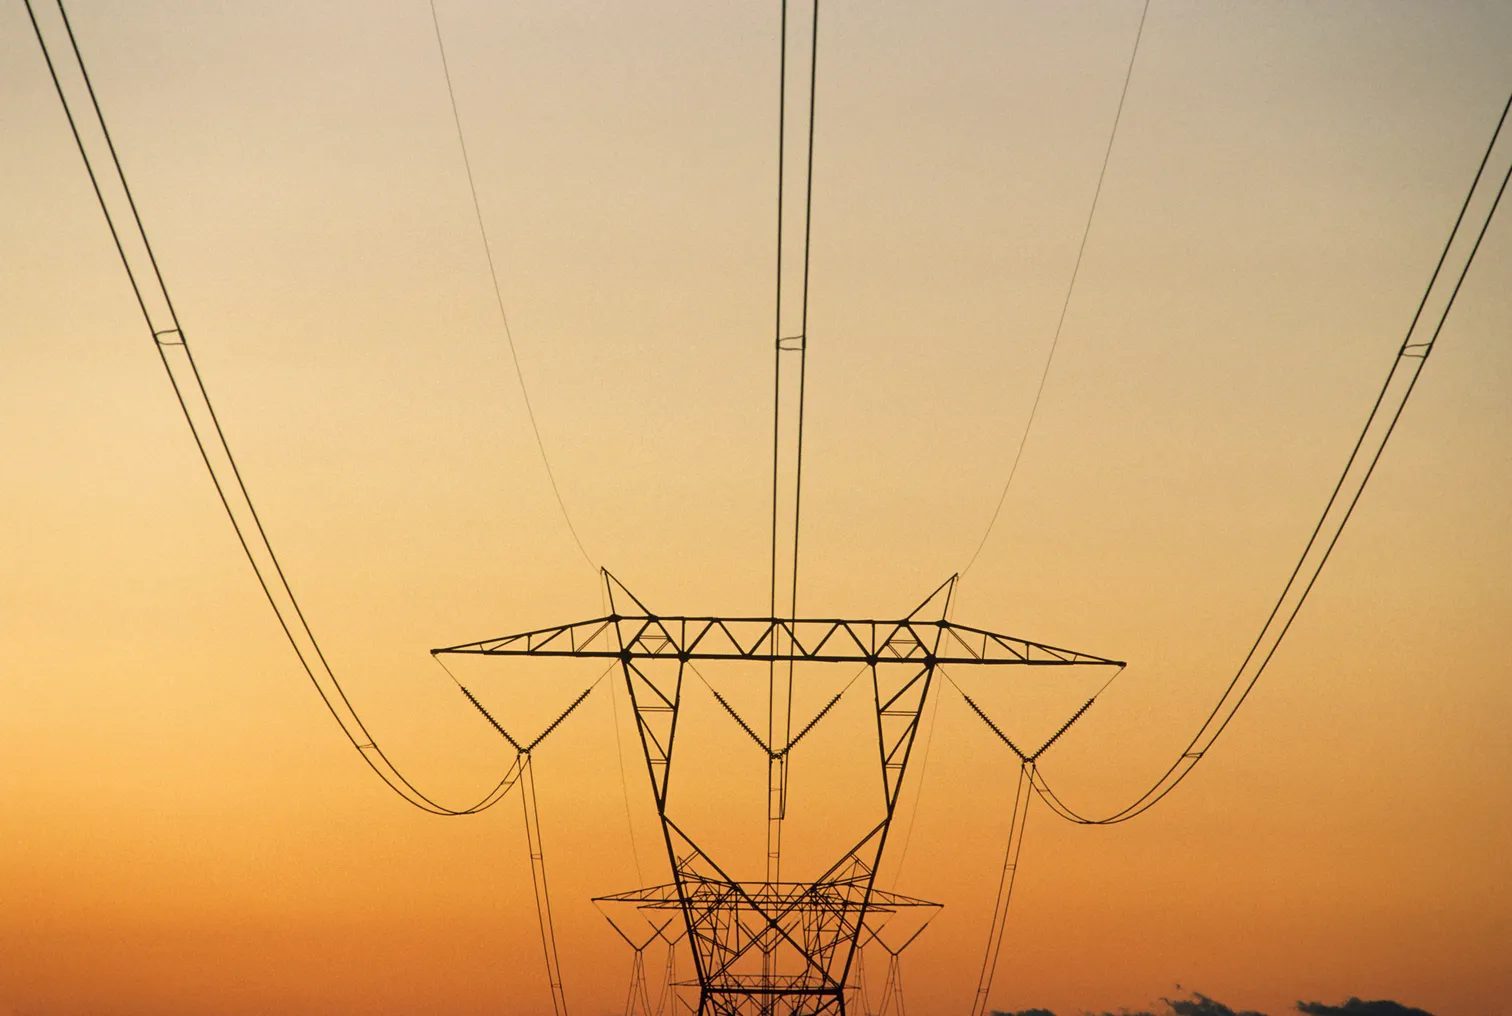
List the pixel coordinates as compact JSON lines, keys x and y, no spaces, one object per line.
{"x":1428,"y":320}
{"x":780,"y":340}
{"x":780,"y":685}
{"x":172,"y":344}
{"x":493,"y":275}
{"x":619,"y":757}
{"x":1060,"y":322}
{"x":1022,"y":796}
{"x":524,"y":765}
{"x":538,"y":883}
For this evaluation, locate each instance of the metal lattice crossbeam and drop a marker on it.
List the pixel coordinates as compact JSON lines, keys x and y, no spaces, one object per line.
{"x":778,"y":640}
{"x":730,"y":922}
{"x":769,"y":896}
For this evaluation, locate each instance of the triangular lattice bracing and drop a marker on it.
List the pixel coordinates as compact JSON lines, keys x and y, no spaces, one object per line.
{"x":777,"y":947}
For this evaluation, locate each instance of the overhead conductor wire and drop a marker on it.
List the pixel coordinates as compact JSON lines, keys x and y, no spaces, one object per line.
{"x":619,"y":757}
{"x":1066,"y":303}
{"x":802,"y":348}
{"x":808,"y":230}
{"x":1027,"y":769}
{"x":1022,"y":796}
{"x":493,"y":275}
{"x":199,"y":412}
{"x":532,"y":816}
{"x":542,"y":893}
{"x":1379,"y":425}
{"x":774,"y":846}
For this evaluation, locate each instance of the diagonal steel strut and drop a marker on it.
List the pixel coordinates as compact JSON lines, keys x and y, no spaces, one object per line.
{"x":776,"y":947}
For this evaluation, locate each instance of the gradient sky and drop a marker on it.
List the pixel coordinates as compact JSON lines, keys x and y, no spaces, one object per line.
{"x":186,"y":831}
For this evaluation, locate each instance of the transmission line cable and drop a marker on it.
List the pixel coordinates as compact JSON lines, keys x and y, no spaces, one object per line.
{"x":493,"y":274}
{"x":780,"y":713}
{"x":1066,"y":303}
{"x":802,"y":348}
{"x":538,"y":883}
{"x":1401,"y":379}
{"x":525,"y":767}
{"x":808,"y":230}
{"x":619,"y":757}
{"x":173,"y":349}
{"x":1023,"y":795}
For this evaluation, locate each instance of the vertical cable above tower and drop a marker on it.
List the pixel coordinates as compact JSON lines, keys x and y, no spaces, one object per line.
{"x":797,"y":73}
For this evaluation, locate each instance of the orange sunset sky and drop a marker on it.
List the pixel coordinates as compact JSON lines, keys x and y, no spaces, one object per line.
{"x":185,"y":831}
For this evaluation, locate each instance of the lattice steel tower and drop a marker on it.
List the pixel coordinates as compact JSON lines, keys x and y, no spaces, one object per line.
{"x":777,"y":945}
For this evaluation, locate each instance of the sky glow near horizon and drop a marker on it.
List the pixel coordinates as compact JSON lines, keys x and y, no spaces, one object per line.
{"x":189,"y":833}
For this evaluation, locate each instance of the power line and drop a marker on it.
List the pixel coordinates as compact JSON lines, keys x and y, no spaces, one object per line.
{"x":1066,"y":303}
{"x":493,"y":274}
{"x":1401,"y":379}
{"x":802,"y":338}
{"x":619,"y":757}
{"x":779,"y":695}
{"x":172,"y":345}
{"x":808,"y":229}
{"x":1022,"y":797}
{"x":1384,"y":415}
{"x":538,"y":883}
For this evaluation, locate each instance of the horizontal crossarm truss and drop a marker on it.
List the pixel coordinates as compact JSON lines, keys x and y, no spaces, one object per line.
{"x":775,"y":640}
{"x":775,"y":897}
{"x":731,"y":923}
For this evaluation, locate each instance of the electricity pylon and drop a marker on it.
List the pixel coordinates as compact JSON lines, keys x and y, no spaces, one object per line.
{"x":775,"y":947}
{"x":891,"y":1002}
{"x":638,"y":998}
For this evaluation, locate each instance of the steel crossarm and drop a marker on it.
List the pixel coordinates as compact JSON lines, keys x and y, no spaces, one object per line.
{"x":774,"y":640}
{"x":771,"y":894}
